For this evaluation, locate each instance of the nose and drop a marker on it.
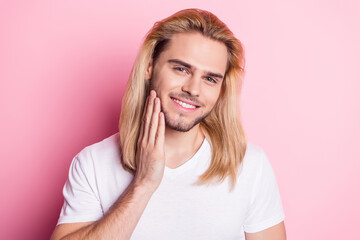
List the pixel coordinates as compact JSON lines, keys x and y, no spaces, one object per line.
{"x":192,"y":85}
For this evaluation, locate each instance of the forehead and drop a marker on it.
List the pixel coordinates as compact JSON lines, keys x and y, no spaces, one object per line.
{"x":199,"y":51}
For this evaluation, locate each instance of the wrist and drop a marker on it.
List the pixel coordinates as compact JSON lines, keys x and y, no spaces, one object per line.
{"x":142,"y":188}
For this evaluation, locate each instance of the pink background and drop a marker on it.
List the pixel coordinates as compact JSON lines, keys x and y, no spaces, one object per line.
{"x":64,"y":65}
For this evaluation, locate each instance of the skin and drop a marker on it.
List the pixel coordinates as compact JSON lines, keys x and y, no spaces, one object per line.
{"x":165,"y":120}
{"x":276,"y":232}
{"x":193,"y":84}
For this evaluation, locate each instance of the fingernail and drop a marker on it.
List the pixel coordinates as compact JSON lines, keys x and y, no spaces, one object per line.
{"x":156,"y":100}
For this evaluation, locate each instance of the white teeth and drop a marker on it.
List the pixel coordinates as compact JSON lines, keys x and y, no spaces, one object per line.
{"x":185,"y":105}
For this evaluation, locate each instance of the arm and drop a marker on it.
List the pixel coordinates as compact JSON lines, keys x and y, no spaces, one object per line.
{"x":276,"y":232}
{"x":121,"y":219}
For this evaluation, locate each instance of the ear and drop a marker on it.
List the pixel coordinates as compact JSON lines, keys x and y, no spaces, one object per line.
{"x":149,"y":69}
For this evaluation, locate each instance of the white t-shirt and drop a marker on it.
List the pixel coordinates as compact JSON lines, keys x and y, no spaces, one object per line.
{"x":177,"y":209}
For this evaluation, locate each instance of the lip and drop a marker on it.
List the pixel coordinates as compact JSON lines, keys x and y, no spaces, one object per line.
{"x":188,"y":102}
{"x":181,"y":108}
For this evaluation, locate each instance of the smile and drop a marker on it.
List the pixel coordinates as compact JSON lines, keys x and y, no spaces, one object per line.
{"x":184,"y":105}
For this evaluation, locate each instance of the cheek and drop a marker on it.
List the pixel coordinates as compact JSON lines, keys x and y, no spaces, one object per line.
{"x":166,"y":83}
{"x":212,"y":96}
{"x":160,"y":79}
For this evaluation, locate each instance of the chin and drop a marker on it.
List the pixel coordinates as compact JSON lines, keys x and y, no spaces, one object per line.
{"x":179,"y":125}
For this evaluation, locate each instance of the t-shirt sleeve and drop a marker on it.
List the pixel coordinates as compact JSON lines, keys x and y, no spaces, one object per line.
{"x":81,"y":201}
{"x":265,"y":205}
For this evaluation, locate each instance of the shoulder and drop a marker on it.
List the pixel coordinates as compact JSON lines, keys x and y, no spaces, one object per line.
{"x":106,"y":151}
{"x":254,"y":154}
{"x":107,"y":146}
{"x":254,"y":160}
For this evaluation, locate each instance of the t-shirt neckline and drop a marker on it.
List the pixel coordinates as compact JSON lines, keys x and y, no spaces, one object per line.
{"x":173,"y":172}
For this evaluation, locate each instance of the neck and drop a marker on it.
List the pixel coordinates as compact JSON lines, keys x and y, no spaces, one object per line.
{"x":181,"y":146}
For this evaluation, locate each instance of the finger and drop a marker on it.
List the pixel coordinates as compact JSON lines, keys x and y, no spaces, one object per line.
{"x":148,"y":115}
{"x":154,"y":121}
{"x":141,"y":132}
{"x":160,"y":134}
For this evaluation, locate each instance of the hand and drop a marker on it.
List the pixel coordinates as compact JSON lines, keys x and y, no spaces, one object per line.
{"x":150,"y":154}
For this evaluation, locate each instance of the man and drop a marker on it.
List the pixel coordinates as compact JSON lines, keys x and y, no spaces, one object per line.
{"x":179,"y":168}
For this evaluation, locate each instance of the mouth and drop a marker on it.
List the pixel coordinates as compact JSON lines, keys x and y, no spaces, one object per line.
{"x":185,"y":106}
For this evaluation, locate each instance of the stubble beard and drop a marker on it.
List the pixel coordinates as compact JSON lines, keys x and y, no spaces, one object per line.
{"x":180,"y":125}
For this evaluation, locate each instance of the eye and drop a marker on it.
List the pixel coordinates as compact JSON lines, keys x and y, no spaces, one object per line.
{"x":181,"y":69}
{"x":210,"y":79}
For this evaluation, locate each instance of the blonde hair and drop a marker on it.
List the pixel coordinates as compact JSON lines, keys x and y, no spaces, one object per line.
{"x":222,"y":127}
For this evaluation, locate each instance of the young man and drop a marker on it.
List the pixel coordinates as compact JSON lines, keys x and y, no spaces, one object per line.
{"x":180,"y":167}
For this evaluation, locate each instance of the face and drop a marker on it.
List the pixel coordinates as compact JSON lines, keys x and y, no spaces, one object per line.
{"x":187,"y":77}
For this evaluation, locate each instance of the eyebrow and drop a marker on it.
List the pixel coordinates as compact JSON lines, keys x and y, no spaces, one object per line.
{"x":216,"y":75}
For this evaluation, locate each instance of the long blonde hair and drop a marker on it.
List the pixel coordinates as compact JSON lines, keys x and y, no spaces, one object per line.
{"x":222,"y":127}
